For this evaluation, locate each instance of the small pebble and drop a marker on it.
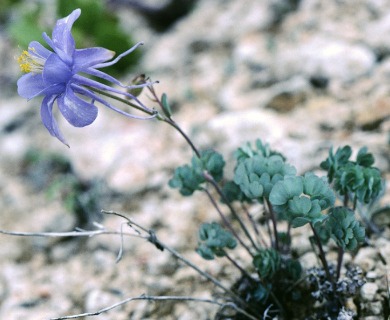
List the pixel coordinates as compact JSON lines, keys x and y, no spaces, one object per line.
{"x":371,"y":276}
{"x":376,"y":308}
{"x":368,"y":291}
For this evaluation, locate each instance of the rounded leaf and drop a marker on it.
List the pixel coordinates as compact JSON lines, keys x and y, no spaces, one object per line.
{"x":213,"y":240}
{"x":285,"y":190}
{"x":347,"y":232}
{"x":267,"y":262}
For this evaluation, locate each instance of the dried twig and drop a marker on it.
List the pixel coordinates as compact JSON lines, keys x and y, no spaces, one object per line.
{"x":158,"y":298}
{"x":67,"y":234}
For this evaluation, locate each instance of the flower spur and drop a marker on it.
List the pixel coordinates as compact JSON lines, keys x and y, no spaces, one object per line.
{"x":58,"y":76}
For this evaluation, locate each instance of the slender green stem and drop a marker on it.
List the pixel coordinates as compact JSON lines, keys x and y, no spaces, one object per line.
{"x":250,"y":218}
{"x":346,"y":199}
{"x":184,"y":135}
{"x":274,"y":223}
{"x":279,"y":304}
{"x":153,"y":239}
{"x":125,"y":101}
{"x":322,"y":255}
{"x":289,"y":236}
{"x":260,"y":237}
{"x":243,"y":271}
{"x":354,"y":202}
{"x":340,"y":255}
{"x":210,"y":179}
{"x":276,"y":300}
{"x":269,"y":233}
{"x":296,"y":283}
{"x":227,"y":223}
{"x":325,"y":263}
{"x":172,"y":122}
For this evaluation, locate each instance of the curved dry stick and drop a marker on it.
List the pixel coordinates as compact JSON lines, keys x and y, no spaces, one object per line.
{"x":67,"y":234}
{"x":158,"y":298}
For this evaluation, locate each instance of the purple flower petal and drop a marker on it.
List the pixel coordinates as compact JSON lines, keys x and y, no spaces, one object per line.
{"x":62,"y":37}
{"x":80,"y":80}
{"x":55,"y":76}
{"x":107,"y":64}
{"x":76,"y":111}
{"x":56,"y":71}
{"x":105,"y":76}
{"x":48,"y":119}
{"x":30,"y":85}
{"x":95,"y":97}
{"x":48,"y":40}
{"x":39,"y":50}
{"x":85,"y":58}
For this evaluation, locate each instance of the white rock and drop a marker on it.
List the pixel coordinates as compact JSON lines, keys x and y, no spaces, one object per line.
{"x":377,"y":34}
{"x":371,"y":275}
{"x":309,"y":260}
{"x":376,"y":308}
{"x":231,"y":129}
{"x":327,"y":57}
{"x":14,"y":144}
{"x":287,"y":95}
{"x":384,"y":249}
{"x":252,"y":48}
{"x":366,"y":258}
{"x":97,"y":299}
{"x":372,"y":318}
{"x":368,"y":291}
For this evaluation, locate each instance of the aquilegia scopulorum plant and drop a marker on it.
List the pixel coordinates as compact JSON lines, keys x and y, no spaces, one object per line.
{"x":273,"y":280}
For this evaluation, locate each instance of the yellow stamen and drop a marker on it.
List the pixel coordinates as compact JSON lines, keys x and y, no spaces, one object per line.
{"x":30,"y":61}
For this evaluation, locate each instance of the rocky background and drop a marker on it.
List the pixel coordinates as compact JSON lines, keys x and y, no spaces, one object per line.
{"x":300,"y":75}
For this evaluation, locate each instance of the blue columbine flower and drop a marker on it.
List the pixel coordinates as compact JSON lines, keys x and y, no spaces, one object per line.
{"x":57,"y":76}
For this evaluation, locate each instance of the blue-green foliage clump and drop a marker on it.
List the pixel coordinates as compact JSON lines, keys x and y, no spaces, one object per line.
{"x":214,"y":240}
{"x":189,"y":178}
{"x":233,"y":193}
{"x":267,"y":262}
{"x":345,"y":230}
{"x":301,"y":200}
{"x":293,"y":269}
{"x":356,"y":178}
{"x":258,"y":169}
{"x":257,"y":175}
{"x":336,"y":161}
{"x":262,"y":175}
{"x":261,"y":293}
{"x":364,"y":182}
{"x":248,"y":151}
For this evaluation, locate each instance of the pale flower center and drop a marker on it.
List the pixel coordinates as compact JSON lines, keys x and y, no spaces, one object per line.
{"x":31,"y":61}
